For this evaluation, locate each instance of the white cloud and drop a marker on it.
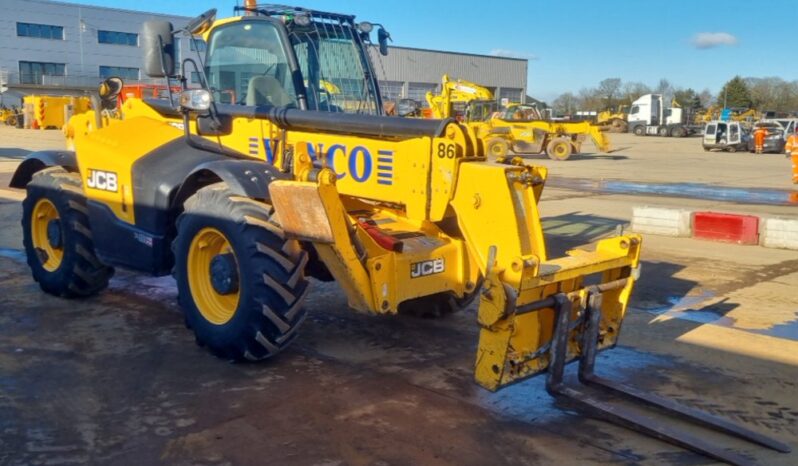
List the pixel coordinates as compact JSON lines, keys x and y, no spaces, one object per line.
{"x":708,"y":40}
{"x":512,"y":54}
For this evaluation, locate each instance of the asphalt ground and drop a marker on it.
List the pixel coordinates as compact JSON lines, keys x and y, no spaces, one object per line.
{"x":117,"y":379}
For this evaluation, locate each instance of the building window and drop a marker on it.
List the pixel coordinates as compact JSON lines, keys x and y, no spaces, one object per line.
{"x":511,"y":94}
{"x":418,"y":92}
{"x":32,"y":72}
{"x":391,"y":90}
{"x":129,"y":74}
{"x":197,"y":45}
{"x":118,"y":38}
{"x":40,"y":31}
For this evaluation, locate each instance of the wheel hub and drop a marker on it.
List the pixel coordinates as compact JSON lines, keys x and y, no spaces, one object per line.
{"x":224,"y":274}
{"x":54,"y":236}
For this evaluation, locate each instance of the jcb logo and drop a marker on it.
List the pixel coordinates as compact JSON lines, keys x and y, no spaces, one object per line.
{"x":105,"y":181}
{"x":424,"y":268}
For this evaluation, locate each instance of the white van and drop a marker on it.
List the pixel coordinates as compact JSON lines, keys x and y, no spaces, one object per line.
{"x":725,"y":135}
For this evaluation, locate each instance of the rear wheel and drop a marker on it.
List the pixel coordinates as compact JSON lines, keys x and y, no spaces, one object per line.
{"x":663,"y":131}
{"x":240,"y":282}
{"x":497,"y":147}
{"x":57,"y":238}
{"x":559,"y":149}
{"x":11,"y":120}
{"x":732,"y":149}
{"x":438,"y":305}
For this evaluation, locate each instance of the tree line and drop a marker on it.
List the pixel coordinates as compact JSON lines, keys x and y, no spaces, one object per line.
{"x":763,"y":94}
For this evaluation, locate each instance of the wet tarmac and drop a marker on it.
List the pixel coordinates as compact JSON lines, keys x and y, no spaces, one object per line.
{"x":708,"y":192}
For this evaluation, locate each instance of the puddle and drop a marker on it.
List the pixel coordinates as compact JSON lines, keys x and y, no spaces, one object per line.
{"x":528,"y":401}
{"x":13,"y":254}
{"x":761,"y":196}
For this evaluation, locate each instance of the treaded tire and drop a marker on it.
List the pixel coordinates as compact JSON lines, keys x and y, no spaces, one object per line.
{"x":438,"y":305}
{"x":559,"y":149}
{"x":497,"y":147}
{"x":271,"y":282}
{"x":639,"y":130}
{"x":80,"y":273}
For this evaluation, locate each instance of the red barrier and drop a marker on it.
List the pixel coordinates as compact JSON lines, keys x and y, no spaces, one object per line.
{"x":734,"y":228}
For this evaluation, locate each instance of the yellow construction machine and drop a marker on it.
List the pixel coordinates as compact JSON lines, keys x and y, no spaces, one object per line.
{"x":614,"y":119}
{"x":454,"y":97}
{"x":520,"y":128}
{"x":242,"y":202}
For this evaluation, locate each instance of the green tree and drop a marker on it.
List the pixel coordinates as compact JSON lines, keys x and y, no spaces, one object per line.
{"x":735,"y":94}
{"x":687,"y":98}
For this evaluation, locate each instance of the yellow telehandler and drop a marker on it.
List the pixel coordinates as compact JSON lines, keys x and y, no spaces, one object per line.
{"x":520,"y":128}
{"x":243,"y":201}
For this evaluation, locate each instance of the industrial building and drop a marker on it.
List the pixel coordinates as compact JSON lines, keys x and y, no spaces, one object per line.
{"x":64,"y":48}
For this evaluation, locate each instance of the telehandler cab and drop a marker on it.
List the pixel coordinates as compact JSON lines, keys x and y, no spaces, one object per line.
{"x":243,"y":200}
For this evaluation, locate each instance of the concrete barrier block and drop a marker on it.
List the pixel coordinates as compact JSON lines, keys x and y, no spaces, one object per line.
{"x":779,"y":233}
{"x":733,"y":228}
{"x":661,"y":221}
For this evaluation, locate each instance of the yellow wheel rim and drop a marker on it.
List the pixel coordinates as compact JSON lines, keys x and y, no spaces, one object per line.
{"x":215,"y":307}
{"x":43,"y":213}
{"x":560,"y":150}
{"x":497,"y":150}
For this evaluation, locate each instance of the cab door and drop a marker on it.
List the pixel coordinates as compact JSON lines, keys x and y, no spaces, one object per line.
{"x":735,"y":133}
{"x":709,"y":134}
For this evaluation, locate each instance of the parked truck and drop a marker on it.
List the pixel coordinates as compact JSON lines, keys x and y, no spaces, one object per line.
{"x":649,"y":116}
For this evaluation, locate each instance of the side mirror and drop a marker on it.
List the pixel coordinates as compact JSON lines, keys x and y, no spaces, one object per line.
{"x":383,"y":37}
{"x":158,"y":44}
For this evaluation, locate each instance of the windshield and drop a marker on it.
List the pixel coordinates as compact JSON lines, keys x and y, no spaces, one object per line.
{"x":334,"y":67}
{"x":247,"y":65}
{"x":481,"y":110}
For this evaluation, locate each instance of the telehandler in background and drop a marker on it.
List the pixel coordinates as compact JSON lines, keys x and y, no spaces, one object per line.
{"x":517,"y":127}
{"x":243,"y":201}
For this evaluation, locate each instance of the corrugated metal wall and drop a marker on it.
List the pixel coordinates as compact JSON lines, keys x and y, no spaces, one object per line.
{"x":419,"y":66}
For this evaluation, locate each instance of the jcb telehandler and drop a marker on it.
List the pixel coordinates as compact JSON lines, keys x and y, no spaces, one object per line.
{"x":241,"y":201}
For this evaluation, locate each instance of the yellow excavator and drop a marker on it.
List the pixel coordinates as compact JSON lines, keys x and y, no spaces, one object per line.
{"x":518,"y":127}
{"x":243,"y":201}
{"x":454,"y":97}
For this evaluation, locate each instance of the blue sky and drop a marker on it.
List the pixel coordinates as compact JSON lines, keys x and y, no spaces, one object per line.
{"x":575,"y":44}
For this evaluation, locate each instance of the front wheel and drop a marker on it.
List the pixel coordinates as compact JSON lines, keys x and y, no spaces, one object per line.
{"x":559,"y":149}
{"x":497,"y":148}
{"x":639,"y":130}
{"x":240,"y":282}
{"x":57,"y":238}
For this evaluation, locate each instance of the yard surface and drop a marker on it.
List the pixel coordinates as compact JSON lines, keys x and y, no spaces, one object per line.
{"x":117,"y":379}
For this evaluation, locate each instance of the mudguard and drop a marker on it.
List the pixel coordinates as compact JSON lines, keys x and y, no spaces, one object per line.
{"x":37,"y":161}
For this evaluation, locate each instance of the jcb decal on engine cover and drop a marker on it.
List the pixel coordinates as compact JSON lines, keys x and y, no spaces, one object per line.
{"x":425,"y":268}
{"x":356,"y":162}
{"x":102,"y":180}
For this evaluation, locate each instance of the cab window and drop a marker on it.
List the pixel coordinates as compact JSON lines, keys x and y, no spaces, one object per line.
{"x":247,"y":65}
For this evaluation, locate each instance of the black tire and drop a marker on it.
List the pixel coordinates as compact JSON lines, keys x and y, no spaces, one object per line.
{"x":497,"y":147}
{"x":732,"y":149}
{"x":11,"y":120}
{"x":271,"y":282}
{"x":79,"y":273}
{"x":663,"y":132}
{"x":438,"y":305}
{"x":678,"y":132}
{"x":559,"y":149}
